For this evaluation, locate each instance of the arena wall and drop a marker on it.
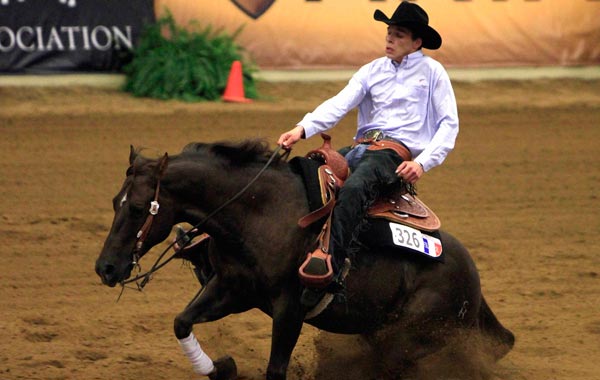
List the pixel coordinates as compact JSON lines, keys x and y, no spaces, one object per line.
{"x":342,"y":33}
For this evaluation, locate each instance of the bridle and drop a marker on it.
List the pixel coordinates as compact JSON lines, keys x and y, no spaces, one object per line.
{"x":184,"y":238}
{"x":143,"y":232}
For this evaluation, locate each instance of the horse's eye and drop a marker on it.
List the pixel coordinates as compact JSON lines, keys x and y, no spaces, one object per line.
{"x":123,"y":200}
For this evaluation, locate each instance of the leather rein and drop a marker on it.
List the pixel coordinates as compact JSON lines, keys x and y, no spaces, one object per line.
{"x":153,"y":211}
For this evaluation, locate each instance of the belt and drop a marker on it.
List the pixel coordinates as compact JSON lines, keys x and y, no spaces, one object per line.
{"x":378,"y":140}
{"x":374,"y":134}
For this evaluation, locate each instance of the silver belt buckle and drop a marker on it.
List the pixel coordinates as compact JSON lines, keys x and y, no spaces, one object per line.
{"x":374,"y":135}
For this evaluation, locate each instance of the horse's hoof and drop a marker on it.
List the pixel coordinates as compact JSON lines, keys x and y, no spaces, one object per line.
{"x":225,"y":369}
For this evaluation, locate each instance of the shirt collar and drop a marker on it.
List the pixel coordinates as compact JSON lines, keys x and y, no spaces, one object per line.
{"x":408,"y":60}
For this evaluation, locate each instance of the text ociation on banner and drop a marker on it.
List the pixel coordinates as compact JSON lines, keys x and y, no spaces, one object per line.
{"x":65,"y":38}
{"x":69,"y":3}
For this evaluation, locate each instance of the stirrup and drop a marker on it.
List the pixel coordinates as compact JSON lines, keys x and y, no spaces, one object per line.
{"x":316,"y":271}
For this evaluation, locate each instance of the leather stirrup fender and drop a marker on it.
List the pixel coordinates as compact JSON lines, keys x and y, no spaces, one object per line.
{"x":329,"y":185}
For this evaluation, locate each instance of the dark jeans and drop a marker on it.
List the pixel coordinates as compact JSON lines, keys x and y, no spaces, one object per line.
{"x":375,"y":170}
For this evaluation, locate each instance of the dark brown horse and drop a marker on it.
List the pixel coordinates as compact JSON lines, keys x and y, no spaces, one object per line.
{"x":257,"y":247}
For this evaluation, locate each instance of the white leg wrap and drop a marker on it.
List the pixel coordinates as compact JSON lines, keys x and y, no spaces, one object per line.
{"x":201,"y":363}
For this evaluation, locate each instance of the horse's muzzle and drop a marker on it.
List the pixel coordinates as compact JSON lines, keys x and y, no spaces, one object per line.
{"x":110,"y":274}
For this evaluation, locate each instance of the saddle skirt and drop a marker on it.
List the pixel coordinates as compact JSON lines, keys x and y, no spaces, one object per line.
{"x":407,"y":209}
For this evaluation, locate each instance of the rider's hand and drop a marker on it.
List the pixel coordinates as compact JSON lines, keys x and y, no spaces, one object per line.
{"x":290,"y":137}
{"x":410,"y":171}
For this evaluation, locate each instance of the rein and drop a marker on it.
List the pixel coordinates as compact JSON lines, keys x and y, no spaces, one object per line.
{"x":153,"y":211}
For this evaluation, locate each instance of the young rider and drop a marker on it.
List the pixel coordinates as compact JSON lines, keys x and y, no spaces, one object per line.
{"x":405,"y":97}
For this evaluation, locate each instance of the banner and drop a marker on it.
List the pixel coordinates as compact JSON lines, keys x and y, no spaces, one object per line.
{"x":288,"y":34}
{"x":45,"y":36}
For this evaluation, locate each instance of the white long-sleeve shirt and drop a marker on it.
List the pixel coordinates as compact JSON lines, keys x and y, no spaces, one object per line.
{"x":412,"y":101}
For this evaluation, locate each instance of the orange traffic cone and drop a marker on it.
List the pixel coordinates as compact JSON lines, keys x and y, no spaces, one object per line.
{"x":234,"y":92}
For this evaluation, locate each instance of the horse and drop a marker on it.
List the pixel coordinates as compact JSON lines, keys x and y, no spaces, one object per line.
{"x":255,"y":250}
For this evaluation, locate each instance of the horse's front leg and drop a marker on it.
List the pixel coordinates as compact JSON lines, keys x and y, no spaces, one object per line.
{"x":212,"y":303}
{"x":288,"y":318}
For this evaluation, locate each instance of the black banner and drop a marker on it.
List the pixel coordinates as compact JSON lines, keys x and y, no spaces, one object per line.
{"x":51,"y":36}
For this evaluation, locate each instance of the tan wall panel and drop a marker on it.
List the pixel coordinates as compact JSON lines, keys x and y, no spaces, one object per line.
{"x":342,"y":33}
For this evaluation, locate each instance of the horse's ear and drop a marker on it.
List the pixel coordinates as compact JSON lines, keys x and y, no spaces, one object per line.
{"x":132,"y":154}
{"x":161,"y":166}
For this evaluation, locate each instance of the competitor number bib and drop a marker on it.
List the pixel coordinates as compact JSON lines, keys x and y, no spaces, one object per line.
{"x":411,"y":238}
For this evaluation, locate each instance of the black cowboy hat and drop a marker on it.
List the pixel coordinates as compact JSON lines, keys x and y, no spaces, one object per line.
{"x":415,"y":18}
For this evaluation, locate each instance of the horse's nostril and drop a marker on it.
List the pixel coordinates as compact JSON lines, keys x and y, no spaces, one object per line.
{"x":109,"y":269}
{"x":105,"y":270}
{"x":107,"y":273}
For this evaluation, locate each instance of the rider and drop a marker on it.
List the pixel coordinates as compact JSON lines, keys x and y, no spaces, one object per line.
{"x":405,"y":97}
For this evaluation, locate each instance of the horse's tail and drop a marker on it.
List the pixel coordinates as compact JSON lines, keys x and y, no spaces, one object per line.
{"x":501,"y":338}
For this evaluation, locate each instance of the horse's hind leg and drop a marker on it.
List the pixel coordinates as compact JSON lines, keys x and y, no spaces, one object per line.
{"x":394,"y":361}
{"x":422,"y":328}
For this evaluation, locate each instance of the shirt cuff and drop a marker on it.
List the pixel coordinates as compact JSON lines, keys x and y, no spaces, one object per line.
{"x":423,"y":166}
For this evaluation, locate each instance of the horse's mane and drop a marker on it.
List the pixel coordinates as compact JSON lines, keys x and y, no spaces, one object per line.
{"x":246,"y":152}
{"x":236,"y":153}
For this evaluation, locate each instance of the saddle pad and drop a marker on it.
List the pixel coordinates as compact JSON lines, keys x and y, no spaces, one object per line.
{"x":308,"y":170}
{"x":403,"y":239}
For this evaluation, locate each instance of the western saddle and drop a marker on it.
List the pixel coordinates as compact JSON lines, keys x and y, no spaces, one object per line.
{"x":399,"y":206}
